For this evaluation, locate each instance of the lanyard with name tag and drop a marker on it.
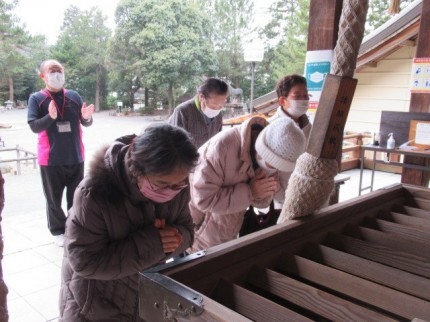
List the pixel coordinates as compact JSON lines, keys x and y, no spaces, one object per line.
{"x":64,"y":127}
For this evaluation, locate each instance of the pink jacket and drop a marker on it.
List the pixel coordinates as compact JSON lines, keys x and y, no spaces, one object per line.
{"x":220,"y":191}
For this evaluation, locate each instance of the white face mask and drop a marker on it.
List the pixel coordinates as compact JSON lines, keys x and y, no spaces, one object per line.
{"x":297,"y":108}
{"x":263,"y":165}
{"x":211,"y":113}
{"x":56,"y":80}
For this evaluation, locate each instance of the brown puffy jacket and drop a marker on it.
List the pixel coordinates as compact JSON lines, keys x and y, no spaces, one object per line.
{"x":110,"y":238}
{"x":220,"y":190}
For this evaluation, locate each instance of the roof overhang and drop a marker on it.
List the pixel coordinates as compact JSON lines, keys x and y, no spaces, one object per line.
{"x":399,"y":31}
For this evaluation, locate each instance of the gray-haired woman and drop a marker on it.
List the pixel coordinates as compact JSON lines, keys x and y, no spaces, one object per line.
{"x":130,"y":212}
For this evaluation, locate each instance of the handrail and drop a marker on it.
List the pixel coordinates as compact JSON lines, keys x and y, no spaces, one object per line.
{"x":28,"y":156}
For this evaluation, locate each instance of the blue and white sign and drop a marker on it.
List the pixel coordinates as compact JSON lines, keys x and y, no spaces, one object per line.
{"x":317,"y":66}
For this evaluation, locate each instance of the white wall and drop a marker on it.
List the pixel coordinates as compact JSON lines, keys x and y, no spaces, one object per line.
{"x":384,"y":87}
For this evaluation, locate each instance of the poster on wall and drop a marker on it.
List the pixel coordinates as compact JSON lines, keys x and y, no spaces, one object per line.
{"x":421,"y":75}
{"x":317,"y":66}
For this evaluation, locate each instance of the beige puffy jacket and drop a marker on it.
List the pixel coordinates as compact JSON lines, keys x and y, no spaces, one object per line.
{"x":220,"y":190}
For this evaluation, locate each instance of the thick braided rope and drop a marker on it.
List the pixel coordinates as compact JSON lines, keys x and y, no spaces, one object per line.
{"x":309,"y":187}
{"x":351,"y":31}
{"x":312,"y":181}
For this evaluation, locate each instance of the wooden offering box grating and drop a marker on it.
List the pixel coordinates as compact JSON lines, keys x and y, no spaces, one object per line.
{"x":367,"y":259}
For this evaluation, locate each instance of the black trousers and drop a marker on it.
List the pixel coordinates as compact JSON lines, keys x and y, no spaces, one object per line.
{"x":54,"y":180}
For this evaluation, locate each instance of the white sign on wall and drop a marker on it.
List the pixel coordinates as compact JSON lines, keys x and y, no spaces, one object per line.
{"x":317,"y":66}
{"x":421,"y":75}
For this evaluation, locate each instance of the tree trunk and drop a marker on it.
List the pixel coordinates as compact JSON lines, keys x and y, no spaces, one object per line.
{"x":131,"y":97}
{"x":171,"y":98}
{"x":146,"y":97}
{"x":97,"y":93}
{"x":11,"y":94}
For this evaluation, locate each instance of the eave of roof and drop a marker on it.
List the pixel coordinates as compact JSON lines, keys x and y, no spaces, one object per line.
{"x":397,"y":31}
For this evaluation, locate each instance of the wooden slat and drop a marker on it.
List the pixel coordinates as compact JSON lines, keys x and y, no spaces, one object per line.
{"x":229,"y":259}
{"x":318,"y":301}
{"x":214,"y":311}
{"x":417,"y":192}
{"x":372,"y":271}
{"x":423,"y":203}
{"x":410,"y":233}
{"x":388,"y":239}
{"x":412,"y":211}
{"x":406,"y":220}
{"x":253,"y":306}
{"x":376,"y":295}
{"x":381,"y":254}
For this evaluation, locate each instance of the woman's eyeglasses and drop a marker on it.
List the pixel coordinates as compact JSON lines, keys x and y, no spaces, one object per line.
{"x":178,"y":186}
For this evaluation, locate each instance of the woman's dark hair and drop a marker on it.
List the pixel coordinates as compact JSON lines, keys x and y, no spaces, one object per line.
{"x":285,"y":84}
{"x":213,"y":86}
{"x":255,"y":132}
{"x":162,"y":149}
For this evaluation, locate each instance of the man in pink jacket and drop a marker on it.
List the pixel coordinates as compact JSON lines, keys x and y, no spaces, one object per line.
{"x":226,"y":182}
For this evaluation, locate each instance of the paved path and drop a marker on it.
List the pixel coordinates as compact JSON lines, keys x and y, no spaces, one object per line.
{"x":28,"y":186}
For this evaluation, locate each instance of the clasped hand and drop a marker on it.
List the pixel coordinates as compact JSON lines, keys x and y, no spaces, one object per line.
{"x":52,"y":110}
{"x":87,"y":111}
{"x":264,"y":186}
{"x":170,"y":237}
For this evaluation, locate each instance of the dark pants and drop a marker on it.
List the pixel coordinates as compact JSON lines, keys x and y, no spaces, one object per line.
{"x":54,"y":180}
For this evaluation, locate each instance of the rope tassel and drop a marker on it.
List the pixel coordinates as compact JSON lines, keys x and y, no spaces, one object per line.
{"x":309,"y":187}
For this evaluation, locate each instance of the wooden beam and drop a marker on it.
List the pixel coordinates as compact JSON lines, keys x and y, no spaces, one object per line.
{"x":387,"y":47}
{"x":408,"y":43}
{"x":323,"y":29}
{"x":326,"y":137}
{"x":372,"y":64}
{"x":420,"y":102}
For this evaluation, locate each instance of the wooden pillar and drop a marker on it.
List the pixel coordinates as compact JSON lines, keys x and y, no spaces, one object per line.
{"x":3,"y":289}
{"x":324,"y":16}
{"x":323,"y":28}
{"x":420,"y":102}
